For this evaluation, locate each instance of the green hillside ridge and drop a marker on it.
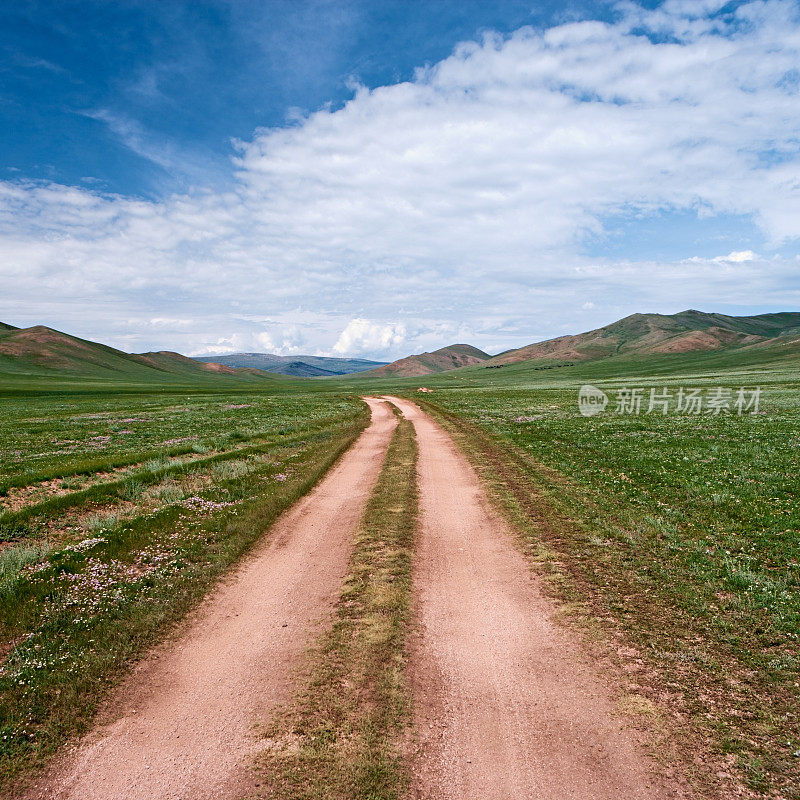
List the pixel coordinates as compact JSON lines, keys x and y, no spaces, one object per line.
{"x":636,"y":336}
{"x":640,"y":343}
{"x":687,"y":331}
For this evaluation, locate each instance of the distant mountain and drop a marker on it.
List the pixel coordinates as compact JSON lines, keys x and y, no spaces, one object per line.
{"x":442,"y":360}
{"x":300,"y":369}
{"x":638,"y":334}
{"x":688,"y":331}
{"x":297,"y":366}
{"x":40,"y":352}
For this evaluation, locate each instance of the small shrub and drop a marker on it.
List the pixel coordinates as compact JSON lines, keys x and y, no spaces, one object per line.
{"x":14,"y":530}
{"x":101,"y":522}
{"x":132,"y":490}
{"x":168,"y":492}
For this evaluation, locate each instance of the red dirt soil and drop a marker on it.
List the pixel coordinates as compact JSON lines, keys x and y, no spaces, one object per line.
{"x":182,"y":726}
{"x":506,"y":705}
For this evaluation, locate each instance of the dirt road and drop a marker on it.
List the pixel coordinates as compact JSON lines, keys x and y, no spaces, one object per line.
{"x":506,"y":706}
{"x":184,"y":720}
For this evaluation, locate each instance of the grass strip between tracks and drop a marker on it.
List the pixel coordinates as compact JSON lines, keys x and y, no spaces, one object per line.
{"x":342,"y":735}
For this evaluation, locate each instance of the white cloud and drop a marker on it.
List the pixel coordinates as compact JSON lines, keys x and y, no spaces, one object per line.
{"x":132,"y":135}
{"x":265,"y":342}
{"x":464,"y":194}
{"x":170,"y":322}
{"x":282,"y":341}
{"x":738,"y":256}
{"x":363,"y":336}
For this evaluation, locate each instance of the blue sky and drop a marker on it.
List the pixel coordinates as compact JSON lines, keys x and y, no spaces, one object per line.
{"x":82,"y":80}
{"x":376,"y":176}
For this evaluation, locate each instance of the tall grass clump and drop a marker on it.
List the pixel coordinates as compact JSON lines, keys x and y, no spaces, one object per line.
{"x":230,"y":470}
{"x":156,"y":464}
{"x":13,"y":560}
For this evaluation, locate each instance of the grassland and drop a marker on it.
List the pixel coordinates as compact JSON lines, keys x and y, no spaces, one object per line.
{"x":121,"y":510}
{"x":674,"y":538}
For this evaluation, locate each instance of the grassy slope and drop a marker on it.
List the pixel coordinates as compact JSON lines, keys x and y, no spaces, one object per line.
{"x":766,"y":363}
{"x":42,"y":359}
{"x":446,"y":358}
{"x":650,"y":333}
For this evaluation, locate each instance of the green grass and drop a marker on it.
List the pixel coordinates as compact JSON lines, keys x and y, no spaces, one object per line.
{"x":341,"y":737}
{"x":16,"y":524}
{"x":63,"y":435}
{"x":12,"y":561}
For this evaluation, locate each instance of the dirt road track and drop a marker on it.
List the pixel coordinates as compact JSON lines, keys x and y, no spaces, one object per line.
{"x":184,"y":719}
{"x":506,"y":706}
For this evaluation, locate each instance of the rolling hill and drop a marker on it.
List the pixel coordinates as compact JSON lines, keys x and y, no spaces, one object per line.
{"x":442,"y":360}
{"x":643,"y":334}
{"x":40,"y":351}
{"x":297,"y":366}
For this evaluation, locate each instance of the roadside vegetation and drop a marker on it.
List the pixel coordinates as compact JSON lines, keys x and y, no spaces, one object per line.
{"x":674,"y":539}
{"x":342,"y":736}
{"x":158,"y":495}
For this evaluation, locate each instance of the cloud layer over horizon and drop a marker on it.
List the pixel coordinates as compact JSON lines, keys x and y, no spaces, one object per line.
{"x":473,"y":203}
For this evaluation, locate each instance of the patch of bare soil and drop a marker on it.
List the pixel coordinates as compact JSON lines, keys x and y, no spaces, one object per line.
{"x":507,"y":705}
{"x":19,"y":497}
